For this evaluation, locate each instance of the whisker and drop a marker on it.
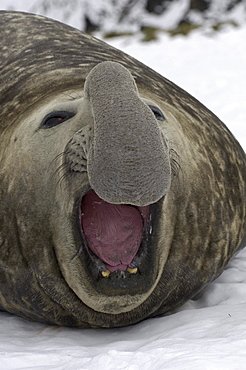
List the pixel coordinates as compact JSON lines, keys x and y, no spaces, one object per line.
{"x":61,"y":179}
{"x":76,"y":255}
{"x":60,"y":169}
{"x":175,"y":162}
{"x":73,"y":96}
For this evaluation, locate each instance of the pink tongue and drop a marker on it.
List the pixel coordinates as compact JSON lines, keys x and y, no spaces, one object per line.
{"x":113,"y":231}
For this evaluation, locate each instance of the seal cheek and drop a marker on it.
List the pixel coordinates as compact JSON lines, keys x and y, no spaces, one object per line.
{"x":113,"y":231}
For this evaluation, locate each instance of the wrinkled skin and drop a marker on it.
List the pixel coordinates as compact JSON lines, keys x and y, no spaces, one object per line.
{"x":137,"y":155}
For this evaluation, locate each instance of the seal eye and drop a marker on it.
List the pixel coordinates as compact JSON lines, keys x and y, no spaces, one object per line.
{"x":55,"y":118}
{"x":157,"y":112}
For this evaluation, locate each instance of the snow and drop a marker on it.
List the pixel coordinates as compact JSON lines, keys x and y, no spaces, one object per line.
{"x":99,"y":11}
{"x":206,"y":333}
{"x":171,"y":17}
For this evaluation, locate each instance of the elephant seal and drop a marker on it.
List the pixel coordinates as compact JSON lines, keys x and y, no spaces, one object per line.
{"x":121,"y":196}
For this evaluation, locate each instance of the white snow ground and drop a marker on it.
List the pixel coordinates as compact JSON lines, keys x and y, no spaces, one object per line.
{"x":209,"y":333}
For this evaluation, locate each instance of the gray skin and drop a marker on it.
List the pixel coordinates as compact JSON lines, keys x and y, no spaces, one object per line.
{"x":188,"y":167}
{"x":126,"y":140}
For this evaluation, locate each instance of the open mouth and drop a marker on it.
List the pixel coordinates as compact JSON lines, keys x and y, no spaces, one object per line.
{"x":114,"y":233}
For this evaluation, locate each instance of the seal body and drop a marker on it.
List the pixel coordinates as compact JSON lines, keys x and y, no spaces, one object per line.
{"x":121,"y":196}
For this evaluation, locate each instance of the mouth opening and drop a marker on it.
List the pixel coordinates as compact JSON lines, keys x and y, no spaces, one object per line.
{"x":113,"y":232}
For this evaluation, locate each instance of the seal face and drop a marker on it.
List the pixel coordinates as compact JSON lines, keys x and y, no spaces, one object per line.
{"x":121,"y":195}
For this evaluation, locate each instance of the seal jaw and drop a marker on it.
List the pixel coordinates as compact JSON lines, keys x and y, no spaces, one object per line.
{"x":122,"y":291}
{"x":136,"y":277}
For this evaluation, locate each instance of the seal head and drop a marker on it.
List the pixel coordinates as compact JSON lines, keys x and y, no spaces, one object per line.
{"x":121,"y":196}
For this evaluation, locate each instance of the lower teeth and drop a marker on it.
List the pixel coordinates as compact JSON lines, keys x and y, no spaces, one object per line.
{"x":132,"y":270}
{"x":106,"y":273}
